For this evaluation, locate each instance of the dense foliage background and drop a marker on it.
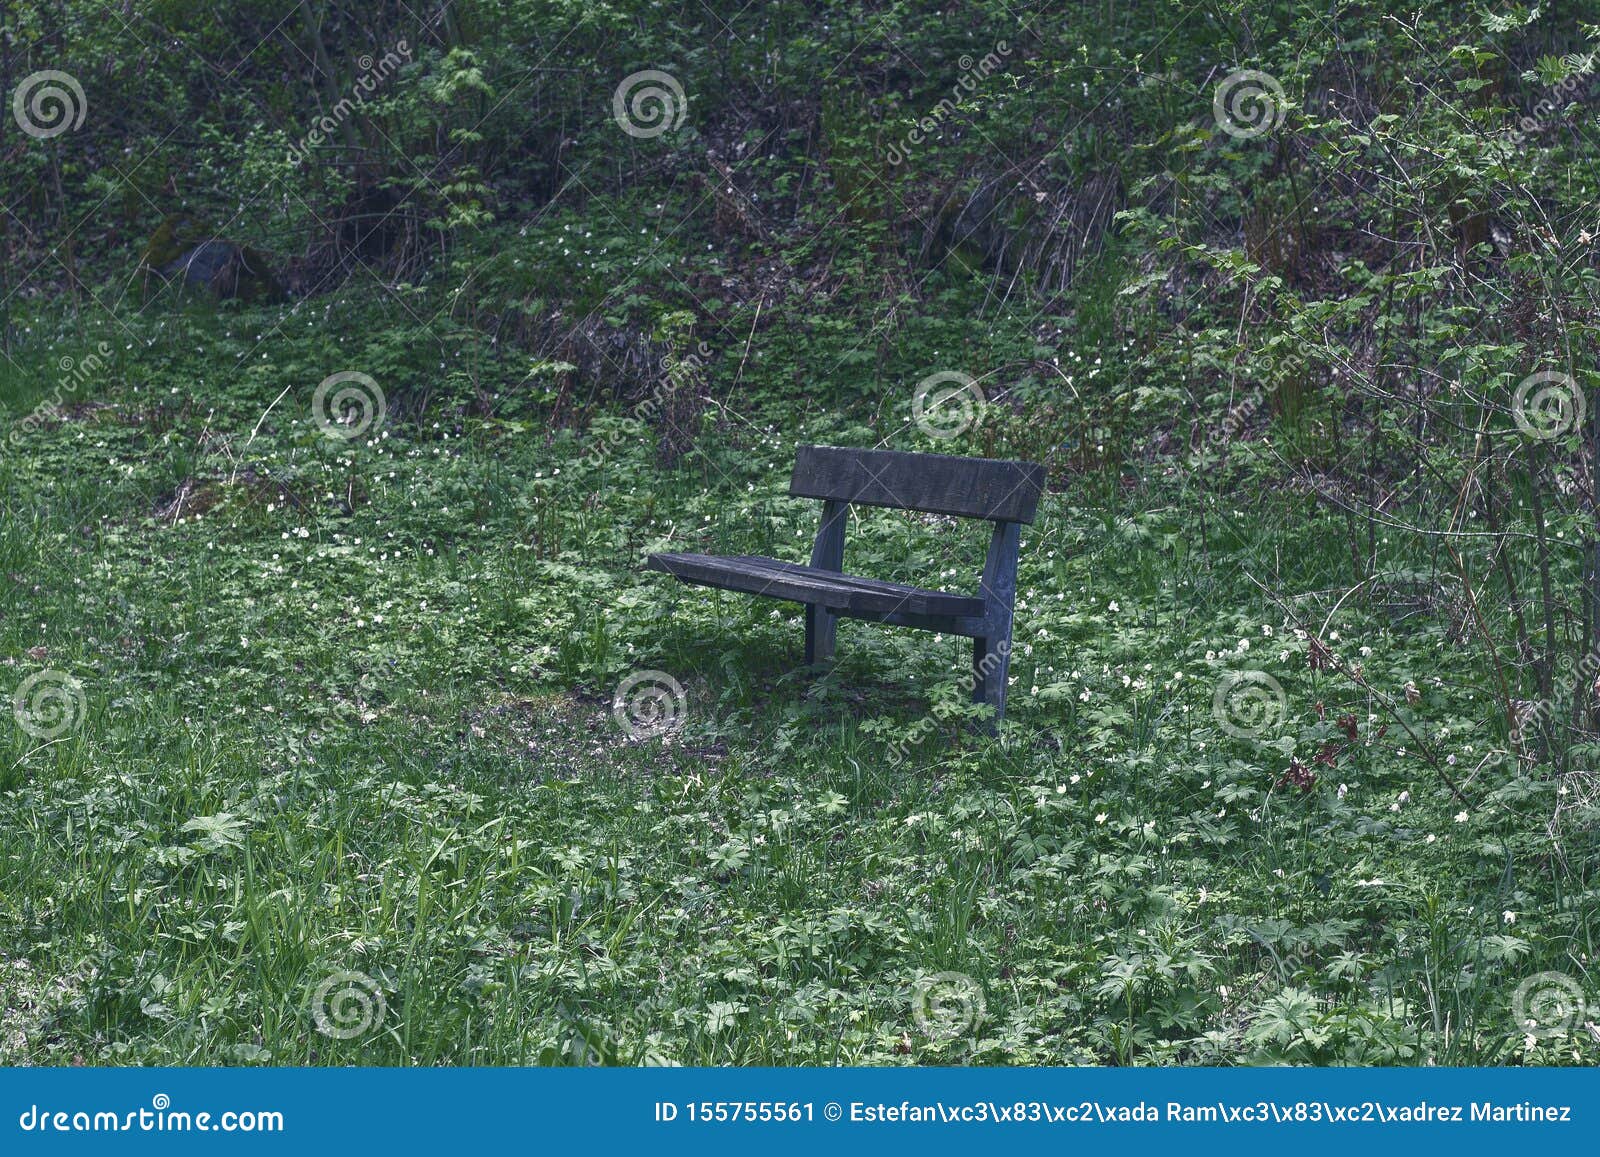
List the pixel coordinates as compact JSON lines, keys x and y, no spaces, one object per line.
{"x":1296,"y":303}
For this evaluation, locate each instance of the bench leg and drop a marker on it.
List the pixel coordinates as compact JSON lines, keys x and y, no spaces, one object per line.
{"x":991,"y":653}
{"x":991,"y":661}
{"x":821,"y":626}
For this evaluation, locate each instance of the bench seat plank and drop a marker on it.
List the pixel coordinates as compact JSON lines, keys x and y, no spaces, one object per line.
{"x":806,"y":584}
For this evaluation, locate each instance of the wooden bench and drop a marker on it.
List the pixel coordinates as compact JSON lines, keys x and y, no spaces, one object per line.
{"x":1004,"y":493}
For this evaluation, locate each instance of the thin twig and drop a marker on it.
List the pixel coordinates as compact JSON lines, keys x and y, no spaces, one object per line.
{"x":1388,"y":704}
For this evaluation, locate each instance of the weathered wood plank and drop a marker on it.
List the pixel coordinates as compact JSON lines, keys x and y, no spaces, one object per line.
{"x":991,"y":651}
{"x":812,"y":585}
{"x":827,"y":553}
{"x":937,"y":483}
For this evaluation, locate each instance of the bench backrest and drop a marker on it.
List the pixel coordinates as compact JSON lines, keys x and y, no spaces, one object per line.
{"x":936,"y":483}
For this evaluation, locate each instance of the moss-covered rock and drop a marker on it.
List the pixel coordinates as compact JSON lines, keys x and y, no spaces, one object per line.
{"x":181,"y":252}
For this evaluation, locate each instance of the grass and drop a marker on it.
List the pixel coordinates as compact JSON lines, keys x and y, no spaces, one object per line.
{"x":346,"y":785}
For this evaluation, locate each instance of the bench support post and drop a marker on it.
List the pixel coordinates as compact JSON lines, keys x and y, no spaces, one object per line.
{"x":991,"y":650}
{"x":827,"y":553}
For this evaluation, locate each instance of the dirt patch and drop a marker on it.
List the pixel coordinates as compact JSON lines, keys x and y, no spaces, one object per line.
{"x":566,"y":736}
{"x":27,"y":1000}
